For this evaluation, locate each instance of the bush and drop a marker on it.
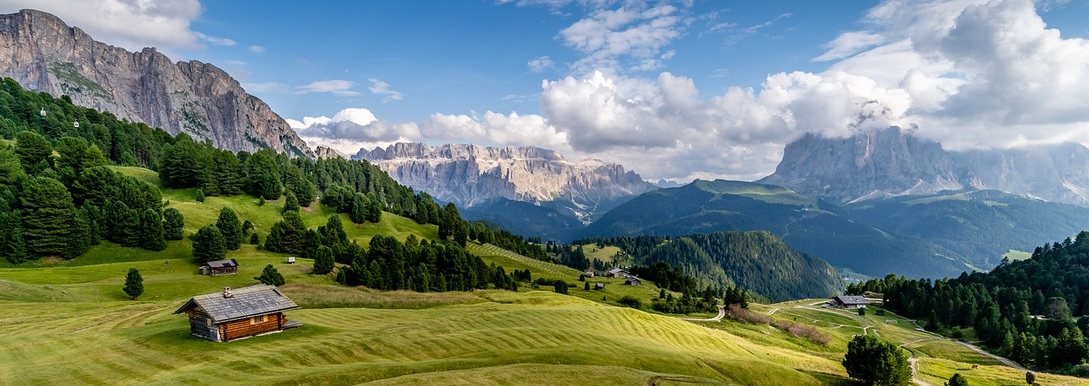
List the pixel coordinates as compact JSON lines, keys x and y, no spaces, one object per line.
{"x":631,"y":301}
{"x":875,"y":361}
{"x":271,"y":276}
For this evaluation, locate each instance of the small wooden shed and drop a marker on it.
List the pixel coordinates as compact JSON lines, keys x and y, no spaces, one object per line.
{"x":220,"y":267}
{"x":239,"y":313}
{"x":632,"y":280}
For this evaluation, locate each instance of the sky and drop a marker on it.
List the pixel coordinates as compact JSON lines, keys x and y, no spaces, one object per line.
{"x":673,"y":90}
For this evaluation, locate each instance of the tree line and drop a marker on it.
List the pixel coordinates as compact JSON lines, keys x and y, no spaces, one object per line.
{"x":1024,"y":310}
{"x":61,"y":205}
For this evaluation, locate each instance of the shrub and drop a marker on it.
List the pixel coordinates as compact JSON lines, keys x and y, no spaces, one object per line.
{"x":631,"y":301}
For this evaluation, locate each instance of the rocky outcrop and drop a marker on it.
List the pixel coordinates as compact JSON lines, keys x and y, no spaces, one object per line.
{"x":469,"y":174}
{"x":327,"y":152}
{"x":870,"y":164}
{"x":1056,"y":173}
{"x":43,"y":53}
{"x":893,"y":162}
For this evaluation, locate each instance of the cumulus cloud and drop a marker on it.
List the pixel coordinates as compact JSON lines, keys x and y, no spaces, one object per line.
{"x":125,"y":23}
{"x":333,"y":86}
{"x":355,"y":128}
{"x":379,"y":87}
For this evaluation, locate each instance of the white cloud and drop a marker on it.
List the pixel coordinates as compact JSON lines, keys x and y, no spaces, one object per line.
{"x":124,"y":23}
{"x":379,"y":87}
{"x":333,"y":86}
{"x":848,"y":44}
{"x":216,"y":40}
{"x":256,"y":49}
{"x":630,"y":37}
{"x":540,"y":64}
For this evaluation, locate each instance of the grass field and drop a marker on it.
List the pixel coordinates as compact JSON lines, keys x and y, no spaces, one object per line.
{"x":68,"y":322}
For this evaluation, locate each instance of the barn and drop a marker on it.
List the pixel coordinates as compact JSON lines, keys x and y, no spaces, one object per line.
{"x":220,"y":267}
{"x":238,"y":313}
{"x":849,"y":302}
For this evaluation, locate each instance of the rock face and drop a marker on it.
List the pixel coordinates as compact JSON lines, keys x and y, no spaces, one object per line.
{"x":326,"y":152}
{"x":1057,"y":173}
{"x":469,"y":175}
{"x":871,"y":164}
{"x":894,"y":162}
{"x":43,"y":53}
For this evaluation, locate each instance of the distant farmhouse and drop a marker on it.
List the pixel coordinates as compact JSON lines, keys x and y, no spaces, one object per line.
{"x":632,"y":280}
{"x":239,"y":313}
{"x":617,"y":272}
{"x":849,"y":302}
{"x":220,"y":267}
{"x":599,"y":286}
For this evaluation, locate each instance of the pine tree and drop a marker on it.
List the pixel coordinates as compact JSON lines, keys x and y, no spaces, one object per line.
{"x":230,"y":227}
{"x":199,"y":196}
{"x":291,"y":202}
{"x":173,"y":224}
{"x":134,"y":284}
{"x":358,"y":213}
{"x":47,"y":209}
{"x":271,"y":276}
{"x":323,"y":260}
{"x":208,"y":244}
{"x":33,"y":149}
{"x":79,"y":239}
{"x":875,"y":361}
{"x":957,"y":380}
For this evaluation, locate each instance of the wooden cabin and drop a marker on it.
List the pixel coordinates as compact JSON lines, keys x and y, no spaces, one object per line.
{"x":239,"y":313}
{"x":220,"y":267}
{"x":849,"y":302}
{"x":632,"y":280}
{"x":617,"y":272}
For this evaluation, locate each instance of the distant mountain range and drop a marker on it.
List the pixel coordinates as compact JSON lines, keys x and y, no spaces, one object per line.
{"x":892,"y":162}
{"x":43,"y":53}
{"x":471,"y":176}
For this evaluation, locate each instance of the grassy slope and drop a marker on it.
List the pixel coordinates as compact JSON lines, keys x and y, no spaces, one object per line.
{"x":69,"y":322}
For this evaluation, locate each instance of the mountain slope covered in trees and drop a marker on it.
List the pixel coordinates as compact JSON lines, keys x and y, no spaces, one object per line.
{"x":808,"y":225}
{"x":757,"y":261}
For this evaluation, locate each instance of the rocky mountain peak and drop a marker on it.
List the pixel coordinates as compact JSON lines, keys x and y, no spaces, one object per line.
{"x":42,"y":53}
{"x":471,"y":174}
{"x":872,"y":163}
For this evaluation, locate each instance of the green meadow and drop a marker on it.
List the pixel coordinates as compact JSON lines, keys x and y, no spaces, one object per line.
{"x":68,"y":322}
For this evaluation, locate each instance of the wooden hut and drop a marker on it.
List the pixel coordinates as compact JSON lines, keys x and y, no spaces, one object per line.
{"x":220,"y":267}
{"x":239,"y":313}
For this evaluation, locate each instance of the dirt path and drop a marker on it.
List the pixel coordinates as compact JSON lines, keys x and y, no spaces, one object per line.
{"x":773,"y":311}
{"x":1004,"y":361}
{"x":718,"y":318}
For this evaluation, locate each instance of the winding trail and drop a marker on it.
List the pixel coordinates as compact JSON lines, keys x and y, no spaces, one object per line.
{"x":718,"y":318}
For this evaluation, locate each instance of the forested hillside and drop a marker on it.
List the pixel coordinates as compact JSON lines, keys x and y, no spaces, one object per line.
{"x":756,"y":261}
{"x":57,"y":198}
{"x":1032,"y":311}
{"x":809,"y":225}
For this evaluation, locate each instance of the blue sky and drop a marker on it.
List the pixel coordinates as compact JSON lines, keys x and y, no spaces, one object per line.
{"x":677,"y":90}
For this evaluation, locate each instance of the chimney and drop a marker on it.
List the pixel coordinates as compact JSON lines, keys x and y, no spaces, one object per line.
{"x":227,"y":292}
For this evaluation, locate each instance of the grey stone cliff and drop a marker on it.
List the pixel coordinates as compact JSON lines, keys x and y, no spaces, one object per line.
{"x":43,"y":53}
{"x":471,"y":174}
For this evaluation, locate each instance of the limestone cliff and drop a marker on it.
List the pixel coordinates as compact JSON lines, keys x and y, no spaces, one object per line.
{"x":469,"y":175}
{"x":43,"y":53}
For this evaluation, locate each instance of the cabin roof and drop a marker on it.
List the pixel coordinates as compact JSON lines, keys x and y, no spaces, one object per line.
{"x":245,"y":302}
{"x":617,"y":270}
{"x":222,"y":263}
{"x":848,"y":300}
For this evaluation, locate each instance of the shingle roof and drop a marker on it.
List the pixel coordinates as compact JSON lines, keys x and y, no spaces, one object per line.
{"x":852,"y":299}
{"x":222,"y":263}
{"x":616,"y":270}
{"x":245,"y":302}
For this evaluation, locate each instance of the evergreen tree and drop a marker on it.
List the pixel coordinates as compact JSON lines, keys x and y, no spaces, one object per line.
{"x":199,"y":196}
{"x":79,"y":239}
{"x":151,"y":226}
{"x":47,"y":209}
{"x":291,"y":202}
{"x":271,"y":276}
{"x":173,"y":224}
{"x":358,"y":213}
{"x":957,"y":380}
{"x":11,"y":168}
{"x":12,"y":246}
{"x":263,"y":175}
{"x":254,"y":239}
{"x":876,"y":362}
{"x":230,"y":228}
{"x":33,"y":150}
{"x":208,"y":244}
{"x":134,"y":284}
{"x":323,"y":260}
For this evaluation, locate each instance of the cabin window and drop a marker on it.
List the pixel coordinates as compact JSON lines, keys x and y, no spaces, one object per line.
{"x":208,"y":322}
{"x":258,"y":319}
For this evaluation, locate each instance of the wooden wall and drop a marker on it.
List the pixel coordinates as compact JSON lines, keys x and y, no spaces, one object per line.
{"x":244,"y":327}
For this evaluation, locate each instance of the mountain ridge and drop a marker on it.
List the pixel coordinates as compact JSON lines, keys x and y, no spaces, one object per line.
{"x":471,"y":175}
{"x":43,"y":53}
